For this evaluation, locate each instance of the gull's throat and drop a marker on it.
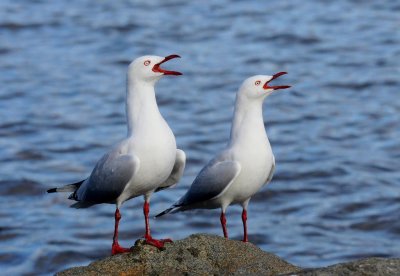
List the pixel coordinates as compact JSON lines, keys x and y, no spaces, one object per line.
{"x":141,"y":106}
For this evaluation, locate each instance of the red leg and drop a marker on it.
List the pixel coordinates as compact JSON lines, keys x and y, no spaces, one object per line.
{"x":244,"y":219}
{"x":116,"y":248}
{"x":223,"y":223}
{"x":157,"y":243}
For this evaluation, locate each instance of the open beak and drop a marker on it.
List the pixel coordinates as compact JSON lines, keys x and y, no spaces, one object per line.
{"x":158,"y":69}
{"x":276,"y":87}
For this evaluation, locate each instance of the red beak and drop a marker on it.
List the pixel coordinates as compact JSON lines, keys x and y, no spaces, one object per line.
{"x":276,"y":87}
{"x":158,"y":69}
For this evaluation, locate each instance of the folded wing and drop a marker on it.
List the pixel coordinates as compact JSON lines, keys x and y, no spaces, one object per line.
{"x":108,"y":179}
{"x":177,"y":171}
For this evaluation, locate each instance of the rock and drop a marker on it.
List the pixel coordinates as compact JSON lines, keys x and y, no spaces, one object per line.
{"x":196,"y":255}
{"x":365,"y":267}
{"x":202,"y":254}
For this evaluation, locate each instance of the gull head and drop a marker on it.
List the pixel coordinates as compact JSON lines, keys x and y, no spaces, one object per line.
{"x":260,"y":86}
{"x":148,"y":68}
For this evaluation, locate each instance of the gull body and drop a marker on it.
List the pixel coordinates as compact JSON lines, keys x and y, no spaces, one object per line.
{"x":145,"y":162}
{"x":247,"y":164}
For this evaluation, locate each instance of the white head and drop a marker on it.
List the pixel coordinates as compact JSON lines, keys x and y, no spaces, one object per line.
{"x":257,"y":87}
{"x":147,"y":68}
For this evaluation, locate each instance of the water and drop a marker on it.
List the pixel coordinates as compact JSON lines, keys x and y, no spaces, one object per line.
{"x":335,"y":134}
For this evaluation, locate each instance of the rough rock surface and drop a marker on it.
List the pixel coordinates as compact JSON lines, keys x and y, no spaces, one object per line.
{"x":212,"y":255}
{"x":364,"y":267}
{"x":196,"y":255}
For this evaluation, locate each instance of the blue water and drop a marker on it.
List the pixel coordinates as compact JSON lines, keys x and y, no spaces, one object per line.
{"x":336,"y":192}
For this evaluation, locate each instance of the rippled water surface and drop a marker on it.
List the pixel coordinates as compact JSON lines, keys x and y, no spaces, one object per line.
{"x":335,"y":134}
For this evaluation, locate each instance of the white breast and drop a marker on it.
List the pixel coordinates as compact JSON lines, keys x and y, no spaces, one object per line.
{"x":256,"y":160}
{"x":156,"y":149}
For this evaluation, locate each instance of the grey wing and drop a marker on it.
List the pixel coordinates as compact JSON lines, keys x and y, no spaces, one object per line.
{"x":177,"y":171}
{"x":212,"y":181}
{"x":108,"y":178}
{"x":271,"y":172}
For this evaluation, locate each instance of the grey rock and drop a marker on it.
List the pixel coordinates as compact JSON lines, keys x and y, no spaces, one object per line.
{"x":364,"y":267}
{"x":196,"y":255}
{"x":202,"y":254}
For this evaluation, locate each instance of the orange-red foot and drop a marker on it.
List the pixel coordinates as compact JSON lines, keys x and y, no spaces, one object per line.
{"x":157,"y":243}
{"x":117,"y":249}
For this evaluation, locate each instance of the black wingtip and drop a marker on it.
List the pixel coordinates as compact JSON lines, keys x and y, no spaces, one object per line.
{"x":54,"y":190}
{"x":163,"y":213}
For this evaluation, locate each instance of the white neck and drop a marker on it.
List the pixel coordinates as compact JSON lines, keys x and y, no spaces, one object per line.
{"x":248,"y":123}
{"x":141,"y":105}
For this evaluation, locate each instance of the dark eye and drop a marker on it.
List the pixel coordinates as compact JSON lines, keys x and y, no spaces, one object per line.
{"x":257,"y":82}
{"x":146,"y":63}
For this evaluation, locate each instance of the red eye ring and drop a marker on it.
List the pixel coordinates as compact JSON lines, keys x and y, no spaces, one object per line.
{"x":257,"y":82}
{"x":147,"y":63}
